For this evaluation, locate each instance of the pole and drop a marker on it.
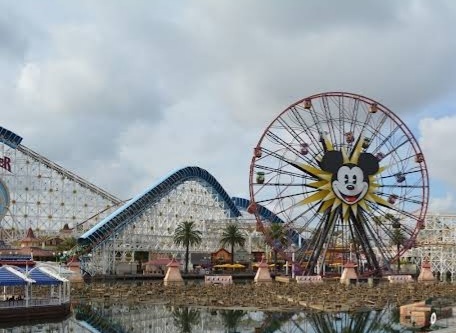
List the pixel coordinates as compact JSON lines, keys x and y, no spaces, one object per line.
{"x":27,"y":286}
{"x":293,"y":264}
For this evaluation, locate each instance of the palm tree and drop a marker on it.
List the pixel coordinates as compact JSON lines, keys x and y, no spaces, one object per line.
{"x":231,"y":319}
{"x":397,"y":238}
{"x":276,"y":234}
{"x":234,"y":236}
{"x":185,"y":318}
{"x":185,"y":234}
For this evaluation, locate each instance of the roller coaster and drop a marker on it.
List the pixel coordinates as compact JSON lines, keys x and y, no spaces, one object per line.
{"x":40,"y":194}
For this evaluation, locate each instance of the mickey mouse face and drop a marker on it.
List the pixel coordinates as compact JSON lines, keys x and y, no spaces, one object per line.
{"x":349,"y":185}
{"x":350,"y":182}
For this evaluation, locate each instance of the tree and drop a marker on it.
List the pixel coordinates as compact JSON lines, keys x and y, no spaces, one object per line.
{"x":186,"y":235}
{"x":67,"y":244}
{"x":276,"y":234}
{"x":185,"y":318}
{"x":232,"y":235}
{"x":231,"y":319}
{"x":398,"y":238}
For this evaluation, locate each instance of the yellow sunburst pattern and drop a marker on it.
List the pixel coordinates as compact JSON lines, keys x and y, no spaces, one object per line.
{"x":332,"y":182}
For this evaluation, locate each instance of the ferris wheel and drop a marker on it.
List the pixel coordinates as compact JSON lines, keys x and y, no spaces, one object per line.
{"x":344,"y":173}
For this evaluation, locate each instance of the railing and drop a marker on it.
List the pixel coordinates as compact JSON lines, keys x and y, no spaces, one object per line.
{"x":218,"y":279}
{"x":309,"y":279}
{"x":400,"y":278}
{"x":31,"y":303}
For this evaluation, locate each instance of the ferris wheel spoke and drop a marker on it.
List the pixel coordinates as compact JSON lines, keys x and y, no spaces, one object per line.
{"x":402,"y":162}
{"x":290,"y":130}
{"x":404,"y":199}
{"x":337,"y":123}
{"x":284,"y":159}
{"x":283,"y":143}
{"x":297,"y":116}
{"x":376,"y":131}
{"x":404,"y":173}
{"x":375,"y":222}
{"x":366,"y":121}
{"x":284,"y":172}
{"x":378,"y":241}
{"x":354,"y":113}
{"x":329,"y":120}
{"x":315,"y":122}
{"x":392,"y":208}
{"x":386,"y":139}
{"x":282,"y":185}
{"x":315,"y":118}
{"x":408,"y":230}
{"x":279,"y":197}
{"x":308,"y":224}
{"x":294,"y":219}
{"x":396,"y":148}
{"x":319,"y":240}
{"x":400,"y":186}
{"x":360,"y":231}
{"x":284,"y":125}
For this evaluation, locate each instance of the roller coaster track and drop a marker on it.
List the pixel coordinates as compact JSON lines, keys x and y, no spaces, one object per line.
{"x":71,"y":176}
{"x":136,"y":206}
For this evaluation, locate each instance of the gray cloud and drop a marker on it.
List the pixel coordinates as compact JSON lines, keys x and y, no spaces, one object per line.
{"x":12,"y":39}
{"x":136,"y":90}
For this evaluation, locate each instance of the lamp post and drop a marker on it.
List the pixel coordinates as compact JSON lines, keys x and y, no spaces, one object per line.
{"x":292,"y":249}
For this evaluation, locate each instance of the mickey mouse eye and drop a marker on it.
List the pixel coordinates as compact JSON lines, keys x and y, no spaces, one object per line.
{"x":355,"y":179}
{"x":346,"y":179}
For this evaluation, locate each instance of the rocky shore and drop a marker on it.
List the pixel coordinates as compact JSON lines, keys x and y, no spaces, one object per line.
{"x":327,"y":296}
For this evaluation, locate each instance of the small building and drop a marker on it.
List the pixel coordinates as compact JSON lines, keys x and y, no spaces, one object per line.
{"x":242,"y":256}
{"x":30,"y":240}
{"x":36,"y":253}
{"x":221,"y":256}
{"x":156,"y":266}
{"x":201,"y":259}
{"x":18,"y":260}
{"x":66,"y":231}
{"x":257,"y":255}
{"x":29,"y":294}
{"x":53,"y":242}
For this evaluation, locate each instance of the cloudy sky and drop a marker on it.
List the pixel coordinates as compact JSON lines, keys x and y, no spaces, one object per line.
{"x":123,"y":92}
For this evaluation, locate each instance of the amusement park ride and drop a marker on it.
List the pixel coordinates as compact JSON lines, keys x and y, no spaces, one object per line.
{"x":341,"y":173}
{"x":347,"y":174}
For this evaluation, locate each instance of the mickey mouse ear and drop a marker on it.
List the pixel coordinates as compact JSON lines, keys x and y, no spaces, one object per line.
{"x":332,"y":161}
{"x":369,"y":163}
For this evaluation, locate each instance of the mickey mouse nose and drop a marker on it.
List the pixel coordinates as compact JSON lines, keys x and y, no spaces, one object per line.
{"x":350,"y":187}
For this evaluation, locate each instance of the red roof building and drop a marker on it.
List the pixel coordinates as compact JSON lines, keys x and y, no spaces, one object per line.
{"x":30,"y":240}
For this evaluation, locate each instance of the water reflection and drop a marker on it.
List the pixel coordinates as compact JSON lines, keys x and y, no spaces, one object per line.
{"x":231,"y":319}
{"x":165,"y":318}
{"x":149,"y":317}
{"x":185,"y":319}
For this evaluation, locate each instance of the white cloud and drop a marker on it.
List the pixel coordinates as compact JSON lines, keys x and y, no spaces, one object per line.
{"x":137,"y":91}
{"x":437,"y":137}
{"x":446,"y":204}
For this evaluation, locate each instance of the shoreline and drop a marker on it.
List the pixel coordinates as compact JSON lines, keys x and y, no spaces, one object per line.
{"x":326,"y":296}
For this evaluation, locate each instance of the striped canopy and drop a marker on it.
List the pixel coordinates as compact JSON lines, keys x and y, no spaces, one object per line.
{"x":15,"y":276}
{"x":10,"y":276}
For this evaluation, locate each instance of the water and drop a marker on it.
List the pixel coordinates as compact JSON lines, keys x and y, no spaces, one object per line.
{"x":153,"y":317}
